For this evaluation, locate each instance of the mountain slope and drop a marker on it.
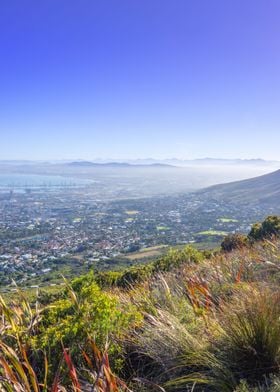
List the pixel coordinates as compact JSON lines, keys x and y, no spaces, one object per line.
{"x":259,"y":190}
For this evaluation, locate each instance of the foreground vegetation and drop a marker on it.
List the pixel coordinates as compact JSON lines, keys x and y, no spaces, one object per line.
{"x":189,"y":321}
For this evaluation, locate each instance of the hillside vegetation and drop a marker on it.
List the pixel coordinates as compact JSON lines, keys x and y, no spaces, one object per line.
{"x":189,"y":321}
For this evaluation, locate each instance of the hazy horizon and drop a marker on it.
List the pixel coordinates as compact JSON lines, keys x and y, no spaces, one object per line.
{"x":145,"y":159}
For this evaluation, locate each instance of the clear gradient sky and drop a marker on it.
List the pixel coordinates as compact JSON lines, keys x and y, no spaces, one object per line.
{"x":139,"y":78}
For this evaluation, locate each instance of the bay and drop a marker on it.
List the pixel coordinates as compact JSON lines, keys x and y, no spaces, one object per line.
{"x":14,"y":181}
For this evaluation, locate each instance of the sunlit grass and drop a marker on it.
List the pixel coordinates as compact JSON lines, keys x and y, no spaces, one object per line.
{"x":189,"y":321}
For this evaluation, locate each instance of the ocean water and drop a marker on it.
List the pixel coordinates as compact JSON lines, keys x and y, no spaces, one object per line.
{"x":39,"y":181}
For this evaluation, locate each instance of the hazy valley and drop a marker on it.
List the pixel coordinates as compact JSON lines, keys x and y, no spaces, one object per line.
{"x":68,"y":218}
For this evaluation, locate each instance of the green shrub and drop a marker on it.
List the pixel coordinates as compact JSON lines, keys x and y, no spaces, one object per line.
{"x":175,"y":258}
{"x":268,"y":228}
{"x":139,"y":273}
{"x":233,"y":241}
{"x":108,"y":279}
{"x":87,"y":313}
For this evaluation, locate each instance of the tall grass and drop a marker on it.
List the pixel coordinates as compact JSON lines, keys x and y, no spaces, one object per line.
{"x":215,"y":327}
{"x":190,"y":325}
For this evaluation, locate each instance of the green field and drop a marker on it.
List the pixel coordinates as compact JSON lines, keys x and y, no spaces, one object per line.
{"x":213,"y":232}
{"x":227,"y":220}
{"x":131,"y":212}
{"x":162,"y":228}
{"x":144,"y":253}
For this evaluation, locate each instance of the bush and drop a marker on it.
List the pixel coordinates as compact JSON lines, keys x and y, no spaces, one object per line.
{"x":175,"y":258}
{"x":270,"y":227}
{"x":89,"y":312}
{"x":140,"y":273}
{"x":233,"y":241}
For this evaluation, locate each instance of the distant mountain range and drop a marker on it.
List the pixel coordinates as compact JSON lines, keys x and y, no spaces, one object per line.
{"x":114,"y":164}
{"x":151,"y":162}
{"x":196,"y":162}
{"x":264,"y":190}
{"x":94,"y":164}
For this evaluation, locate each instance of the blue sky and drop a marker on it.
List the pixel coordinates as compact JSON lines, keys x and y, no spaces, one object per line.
{"x":139,"y":78}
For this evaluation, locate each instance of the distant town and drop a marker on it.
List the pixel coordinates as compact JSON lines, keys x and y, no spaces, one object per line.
{"x":47,"y":232}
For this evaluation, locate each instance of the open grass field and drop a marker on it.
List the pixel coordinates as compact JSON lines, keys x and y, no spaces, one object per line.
{"x":146,"y":253}
{"x":213,"y":232}
{"x":227,"y":220}
{"x":131,"y":212}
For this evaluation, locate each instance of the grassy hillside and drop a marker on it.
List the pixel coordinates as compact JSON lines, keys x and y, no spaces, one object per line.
{"x":189,"y":321}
